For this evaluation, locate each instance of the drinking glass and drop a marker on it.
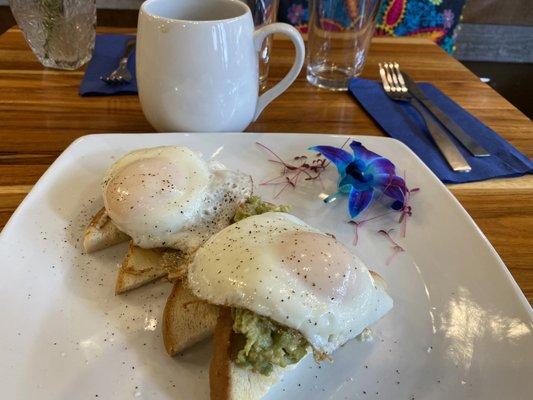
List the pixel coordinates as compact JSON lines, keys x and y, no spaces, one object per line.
{"x":263,"y":12}
{"x":339,"y":37}
{"x":60,"y":32}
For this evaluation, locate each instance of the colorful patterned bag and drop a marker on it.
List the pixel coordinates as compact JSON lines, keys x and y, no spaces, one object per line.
{"x":433,"y":19}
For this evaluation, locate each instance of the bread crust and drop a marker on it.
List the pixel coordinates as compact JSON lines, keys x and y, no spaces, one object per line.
{"x":102,"y":233}
{"x":187,"y":320}
{"x":220,"y":367}
{"x":141,"y":266}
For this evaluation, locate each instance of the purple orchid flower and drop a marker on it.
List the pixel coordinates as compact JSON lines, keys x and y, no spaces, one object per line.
{"x":363,"y":176}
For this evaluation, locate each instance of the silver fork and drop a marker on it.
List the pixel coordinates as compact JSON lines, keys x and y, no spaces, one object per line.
{"x":395,"y":88}
{"x":121,"y":74}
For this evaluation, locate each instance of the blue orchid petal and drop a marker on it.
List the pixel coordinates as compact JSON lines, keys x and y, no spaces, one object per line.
{"x":383,"y":180}
{"x":380,"y":166}
{"x":362,"y":174}
{"x":359,"y":201}
{"x":360,"y":152}
{"x":341,"y":158}
{"x":349,"y":181}
{"x":394,"y":187}
{"x":344,"y":187}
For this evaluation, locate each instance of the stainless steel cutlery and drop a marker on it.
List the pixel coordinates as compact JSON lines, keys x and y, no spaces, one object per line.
{"x":121,"y":75}
{"x":468,"y":142}
{"x":395,"y":87}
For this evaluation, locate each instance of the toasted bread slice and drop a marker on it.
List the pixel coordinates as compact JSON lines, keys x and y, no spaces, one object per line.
{"x":142,"y":266}
{"x":187,"y":320}
{"x":102,"y":233}
{"x":228,"y":381}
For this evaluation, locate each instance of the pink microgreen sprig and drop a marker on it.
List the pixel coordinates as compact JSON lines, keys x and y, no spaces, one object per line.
{"x":406,"y":211}
{"x":396,"y":248}
{"x":292,"y":171}
{"x":360,"y":223}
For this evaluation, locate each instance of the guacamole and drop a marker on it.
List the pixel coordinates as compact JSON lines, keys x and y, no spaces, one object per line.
{"x":266,"y":343}
{"x":255,"y":206}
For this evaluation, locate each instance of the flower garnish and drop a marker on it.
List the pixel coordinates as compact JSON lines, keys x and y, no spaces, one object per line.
{"x":363,"y":176}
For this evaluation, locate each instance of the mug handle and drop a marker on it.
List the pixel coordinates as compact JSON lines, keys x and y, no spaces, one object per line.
{"x":281,"y":86}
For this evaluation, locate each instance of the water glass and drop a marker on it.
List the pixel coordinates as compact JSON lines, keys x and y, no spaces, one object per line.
{"x":61,"y":33}
{"x":263,"y":12}
{"x":339,"y":37}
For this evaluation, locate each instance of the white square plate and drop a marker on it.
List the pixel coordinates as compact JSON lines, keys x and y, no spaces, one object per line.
{"x":460,"y":327}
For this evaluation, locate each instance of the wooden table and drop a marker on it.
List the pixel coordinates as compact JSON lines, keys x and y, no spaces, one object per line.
{"x":41,"y":114}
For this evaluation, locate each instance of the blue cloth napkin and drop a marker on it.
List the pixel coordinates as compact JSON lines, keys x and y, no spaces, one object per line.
{"x":108,"y":49}
{"x":402,"y":122}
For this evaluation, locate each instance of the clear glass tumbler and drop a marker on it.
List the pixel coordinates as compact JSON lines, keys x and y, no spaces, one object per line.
{"x":338,"y":40}
{"x":60,"y":33}
{"x":263,"y":12}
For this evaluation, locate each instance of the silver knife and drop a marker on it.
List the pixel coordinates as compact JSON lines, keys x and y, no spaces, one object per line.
{"x":473,"y":147}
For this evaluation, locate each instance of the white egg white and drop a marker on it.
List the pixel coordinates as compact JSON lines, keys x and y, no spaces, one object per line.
{"x":169,"y":197}
{"x":276,"y":265}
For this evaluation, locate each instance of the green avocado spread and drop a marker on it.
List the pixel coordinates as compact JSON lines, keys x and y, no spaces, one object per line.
{"x":266,"y":343}
{"x":255,"y":206}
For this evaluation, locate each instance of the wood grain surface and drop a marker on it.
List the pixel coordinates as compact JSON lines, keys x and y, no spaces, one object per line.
{"x":41,"y":113}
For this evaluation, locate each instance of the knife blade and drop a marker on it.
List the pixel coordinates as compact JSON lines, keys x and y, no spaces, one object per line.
{"x":466,"y":140}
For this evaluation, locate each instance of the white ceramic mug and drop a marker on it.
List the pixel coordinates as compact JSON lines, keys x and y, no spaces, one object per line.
{"x":197,"y":64}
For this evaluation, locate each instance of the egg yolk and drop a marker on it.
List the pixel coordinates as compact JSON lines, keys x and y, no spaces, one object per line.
{"x":319,"y":261}
{"x":151,"y":187}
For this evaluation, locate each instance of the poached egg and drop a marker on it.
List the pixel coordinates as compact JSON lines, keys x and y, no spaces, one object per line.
{"x":276,"y":265}
{"x":169,"y":197}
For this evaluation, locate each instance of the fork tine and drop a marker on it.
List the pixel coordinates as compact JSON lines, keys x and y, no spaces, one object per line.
{"x":403,"y":87}
{"x":398,"y":72}
{"x":389,"y":77}
{"x":386,"y":85}
{"x":394,"y":77}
